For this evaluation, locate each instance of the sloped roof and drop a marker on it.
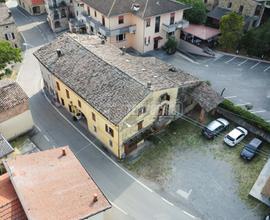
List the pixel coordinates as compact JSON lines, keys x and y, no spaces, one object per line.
{"x":201,"y":31}
{"x":148,"y":8}
{"x":206,"y":97}
{"x":218,"y":12}
{"x":5,"y":147}
{"x":11,"y":95}
{"x":10,"y":206}
{"x":5,"y":17}
{"x":51,"y":185}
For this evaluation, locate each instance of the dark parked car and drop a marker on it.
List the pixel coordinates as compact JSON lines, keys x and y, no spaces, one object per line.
{"x":215,"y":127}
{"x":251,"y":149}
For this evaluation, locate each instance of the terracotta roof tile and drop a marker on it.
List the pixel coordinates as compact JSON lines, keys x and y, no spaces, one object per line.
{"x":53,"y":186}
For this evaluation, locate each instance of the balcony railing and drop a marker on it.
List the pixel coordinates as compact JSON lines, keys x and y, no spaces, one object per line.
{"x":177,"y":25}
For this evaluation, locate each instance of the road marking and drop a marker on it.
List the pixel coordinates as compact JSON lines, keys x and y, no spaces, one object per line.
{"x":183,"y":193}
{"x":266,"y":69}
{"x":86,"y":138}
{"x":38,"y":128}
{"x":259,"y":111}
{"x":187,"y":58}
{"x":240,"y":64}
{"x":116,"y":206}
{"x":165,"y":200}
{"x":192,"y":216}
{"x":255,"y":65}
{"x":248,"y":103}
{"x":230,"y":60}
{"x":46,"y":138}
{"x":230,"y":97}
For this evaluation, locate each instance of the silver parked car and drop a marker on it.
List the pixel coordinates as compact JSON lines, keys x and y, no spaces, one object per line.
{"x":215,"y":127}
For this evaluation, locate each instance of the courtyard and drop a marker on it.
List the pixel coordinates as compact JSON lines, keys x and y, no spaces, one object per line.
{"x":206,"y":176}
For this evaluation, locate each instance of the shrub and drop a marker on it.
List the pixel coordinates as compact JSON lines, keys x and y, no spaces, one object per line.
{"x":248,"y":116}
{"x":171,"y":45}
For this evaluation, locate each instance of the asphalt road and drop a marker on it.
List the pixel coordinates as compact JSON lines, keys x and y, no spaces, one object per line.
{"x":246,"y":81}
{"x":131,"y":199}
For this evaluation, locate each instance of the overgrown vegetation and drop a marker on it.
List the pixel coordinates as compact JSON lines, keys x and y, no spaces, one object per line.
{"x":256,"y":42}
{"x":171,"y":45}
{"x":231,"y":27}
{"x":8,"y":55}
{"x":248,"y":116}
{"x":197,"y":14}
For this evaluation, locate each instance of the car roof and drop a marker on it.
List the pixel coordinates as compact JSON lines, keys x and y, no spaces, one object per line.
{"x":223,"y":121}
{"x":236,"y":132}
{"x":213,"y":125}
{"x":255,"y":142}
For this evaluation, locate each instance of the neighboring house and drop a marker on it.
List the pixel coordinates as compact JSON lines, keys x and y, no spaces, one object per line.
{"x":252,"y":11}
{"x":143,"y":25}
{"x":33,"y":7}
{"x":119,"y":98}
{"x":59,"y":12}
{"x":8,"y":28}
{"x":50,"y":184}
{"x":15,"y":115}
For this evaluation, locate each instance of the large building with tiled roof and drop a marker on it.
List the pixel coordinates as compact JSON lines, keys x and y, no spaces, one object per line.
{"x":15,"y":115}
{"x":33,"y":7}
{"x":119,"y":98}
{"x":50,"y":184}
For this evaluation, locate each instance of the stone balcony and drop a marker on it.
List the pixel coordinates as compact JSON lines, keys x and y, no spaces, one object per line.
{"x":173,"y":27}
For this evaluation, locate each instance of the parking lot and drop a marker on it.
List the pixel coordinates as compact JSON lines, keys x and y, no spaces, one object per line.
{"x":246,"y":81}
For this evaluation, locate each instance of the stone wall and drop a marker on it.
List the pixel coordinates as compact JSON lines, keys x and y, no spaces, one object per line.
{"x":242,"y":122}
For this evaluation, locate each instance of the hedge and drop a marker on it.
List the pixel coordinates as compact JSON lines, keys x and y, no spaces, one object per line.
{"x":246,"y":115}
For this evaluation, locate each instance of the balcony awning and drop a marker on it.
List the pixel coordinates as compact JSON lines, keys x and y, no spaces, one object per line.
{"x":201,"y":31}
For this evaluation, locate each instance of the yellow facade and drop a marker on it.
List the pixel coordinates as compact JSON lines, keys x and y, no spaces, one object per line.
{"x":96,"y":127}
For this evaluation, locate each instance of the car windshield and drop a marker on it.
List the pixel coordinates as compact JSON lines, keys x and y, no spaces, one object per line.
{"x":250,"y":148}
{"x":240,"y":130}
{"x":230,"y":138}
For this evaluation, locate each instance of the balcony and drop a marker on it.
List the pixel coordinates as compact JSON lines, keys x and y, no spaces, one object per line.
{"x":173,"y":27}
{"x":62,"y":4}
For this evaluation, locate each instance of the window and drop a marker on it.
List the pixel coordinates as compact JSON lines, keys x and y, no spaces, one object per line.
{"x":6,"y":26}
{"x":157,"y":24}
{"x":205,"y":1}
{"x":121,"y":20}
{"x":69,"y":108}
{"x":109,"y":130}
{"x":77,"y":13}
{"x":172,"y":17}
{"x":58,"y":86}
{"x":103,"y":20}
{"x":148,"y":22}
{"x":110,"y":143}
{"x":241,"y":9}
{"x":165,"y":97}
{"x":6,"y":36}
{"x":95,"y":13}
{"x":88,"y":11}
{"x":120,"y":37}
{"x":149,"y":39}
{"x":63,"y":13}
{"x":67,"y":93}
{"x":140,"y":125}
{"x":141,"y":111}
{"x":95,"y":129}
{"x":79,"y":103}
{"x":229,"y":5}
{"x":93,"y":116}
{"x":62,"y":101}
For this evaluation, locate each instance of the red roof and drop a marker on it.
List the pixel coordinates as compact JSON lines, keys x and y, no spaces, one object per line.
{"x":53,"y":185}
{"x":201,"y":31}
{"x":37,"y":2}
{"x":10,"y":206}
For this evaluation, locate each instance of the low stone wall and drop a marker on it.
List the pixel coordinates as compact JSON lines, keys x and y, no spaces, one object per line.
{"x":257,"y":131}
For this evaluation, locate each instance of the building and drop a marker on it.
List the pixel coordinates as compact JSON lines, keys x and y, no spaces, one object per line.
{"x":15,"y":115}
{"x":210,"y":4}
{"x":59,"y":12}
{"x":8,"y":28}
{"x":50,"y":184}
{"x":5,"y":147}
{"x":33,"y":7}
{"x":119,"y":98}
{"x":253,"y":11}
{"x":143,"y":25}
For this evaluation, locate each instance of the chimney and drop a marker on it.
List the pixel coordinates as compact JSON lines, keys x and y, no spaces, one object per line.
{"x":95,"y":198}
{"x":64,"y":153}
{"x":135,"y":7}
{"x":59,"y":53}
{"x":149,"y":85}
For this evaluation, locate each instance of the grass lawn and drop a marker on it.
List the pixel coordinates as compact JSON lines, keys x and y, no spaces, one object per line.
{"x":155,"y":163}
{"x":18,"y":143}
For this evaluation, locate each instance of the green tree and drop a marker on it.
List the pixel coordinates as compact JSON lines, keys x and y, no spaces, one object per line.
{"x":171,"y":45}
{"x":8,"y":55}
{"x":196,"y":14}
{"x":231,"y":27}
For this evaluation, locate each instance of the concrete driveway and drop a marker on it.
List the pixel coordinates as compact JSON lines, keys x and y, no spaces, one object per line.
{"x":246,"y":81}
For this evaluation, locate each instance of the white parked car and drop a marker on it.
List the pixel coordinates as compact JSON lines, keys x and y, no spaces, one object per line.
{"x":235,"y":136}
